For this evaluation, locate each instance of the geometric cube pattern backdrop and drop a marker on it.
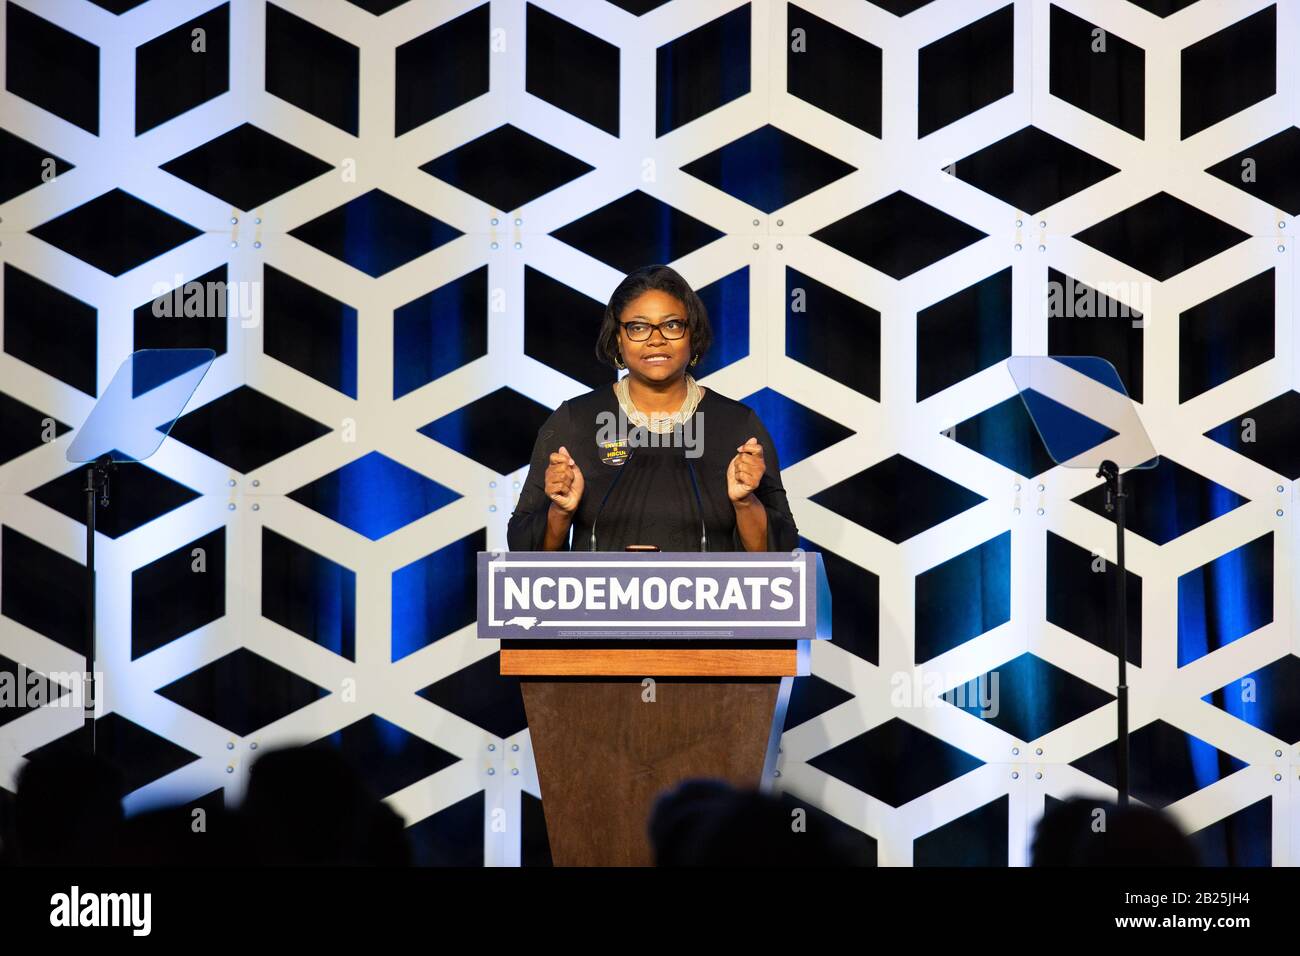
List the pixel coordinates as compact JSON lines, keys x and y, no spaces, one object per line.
{"x":419,"y":210}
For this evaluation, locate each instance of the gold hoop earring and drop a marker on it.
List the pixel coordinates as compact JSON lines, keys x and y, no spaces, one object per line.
{"x":618,"y":362}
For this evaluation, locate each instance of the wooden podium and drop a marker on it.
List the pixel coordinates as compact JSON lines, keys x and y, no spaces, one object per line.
{"x":615,"y":723}
{"x":613,"y":727}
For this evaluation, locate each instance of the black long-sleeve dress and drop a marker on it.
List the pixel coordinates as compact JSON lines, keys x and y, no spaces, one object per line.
{"x":653,"y":502}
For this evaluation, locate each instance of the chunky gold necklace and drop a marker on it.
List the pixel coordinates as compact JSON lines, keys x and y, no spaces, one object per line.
{"x":659,"y":424}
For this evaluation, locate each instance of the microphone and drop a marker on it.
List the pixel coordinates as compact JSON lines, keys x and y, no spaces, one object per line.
{"x":699,"y":506}
{"x":608,"y":491}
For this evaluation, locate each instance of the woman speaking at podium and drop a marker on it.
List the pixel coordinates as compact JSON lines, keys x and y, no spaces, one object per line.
{"x":653,"y":460}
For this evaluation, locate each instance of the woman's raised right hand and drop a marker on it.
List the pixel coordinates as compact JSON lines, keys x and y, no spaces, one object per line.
{"x":564,"y":482}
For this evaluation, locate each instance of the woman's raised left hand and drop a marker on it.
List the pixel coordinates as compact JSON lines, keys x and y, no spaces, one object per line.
{"x":745,"y":471}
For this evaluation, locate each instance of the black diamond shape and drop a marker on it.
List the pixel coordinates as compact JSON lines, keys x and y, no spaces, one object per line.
{"x":309,"y":330}
{"x":551,"y":311}
{"x":1162,"y":8}
{"x":443,"y":330}
{"x":819,"y":320}
{"x":811,"y":697}
{"x":1166,"y":501}
{"x":190,"y":316}
{"x":507,"y":167}
{"x":309,"y":594}
{"x":1229,"y":70}
{"x":378,"y":7}
{"x":963,"y":597}
{"x":1267,"y":170}
{"x":375,"y":233}
{"x":901,"y":8}
{"x":141,"y":755}
{"x":406,"y":495}
{"x":242,"y":692}
{"x":1028,"y":697}
{"x":1161,"y":236}
{"x":1098,"y":71}
{"x":536,"y":845}
{"x":246,"y":167}
{"x":899,"y":235}
{"x":844,"y":78}
{"x":118,"y":6}
{"x":895,"y":762}
{"x":139,"y":495}
{"x":768,"y":168}
{"x":25,"y":166}
{"x":1006,"y":434}
{"x":857,"y":603}
{"x":1165,"y":764}
{"x":552,"y":73}
{"x":1265,"y":698}
{"x":1081,"y":596}
{"x":389,"y":757}
{"x":965,"y":71}
{"x":434,"y":596}
{"x":666,"y":234}
{"x":30,"y":690}
{"x":805,"y":431}
{"x":245,"y":429}
{"x":1032,"y":170}
{"x":51,"y":67}
{"x":443,"y":69}
{"x":139,"y":232}
{"x":171,"y":77}
{"x":454,"y":835}
{"x":312,"y":68}
{"x":702,"y":70}
{"x":1244,"y":838}
{"x":23,"y":428}
{"x":1268,"y":434}
{"x":870,"y":498}
{"x":1206,"y":622}
{"x":498,"y":429}
{"x":1082,"y":320}
{"x":963,"y":334}
{"x":482,"y":696}
{"x":638,"y":7}
{"x":977,"y":838}
{"x":178,"y":593}
{"x":42,"y":589}
{"x":1226,"y":335}
{"x":726,"y":301}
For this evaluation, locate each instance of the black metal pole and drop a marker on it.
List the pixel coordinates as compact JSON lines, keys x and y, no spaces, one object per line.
{"x":1115,"y":498}
{"x":97,"y":475}
{"x":1121,"y":615}
{"x":88,"y":683}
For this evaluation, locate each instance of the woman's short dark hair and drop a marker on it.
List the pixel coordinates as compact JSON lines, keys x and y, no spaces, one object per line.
{"x":664,"y":279}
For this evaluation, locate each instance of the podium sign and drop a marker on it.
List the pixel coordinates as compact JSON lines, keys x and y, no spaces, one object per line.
{"x":545,"y":595}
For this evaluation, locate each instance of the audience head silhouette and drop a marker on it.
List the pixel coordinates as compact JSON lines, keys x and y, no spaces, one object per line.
{"x":67,"y":810}
{"x":711,"y":823}
{"x":309,"y":805}
{"x":1084,"y":832}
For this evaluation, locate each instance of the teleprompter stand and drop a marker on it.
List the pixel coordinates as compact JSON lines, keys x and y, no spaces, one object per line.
{"x":1086,"y":420}
{"x":147,"y":394}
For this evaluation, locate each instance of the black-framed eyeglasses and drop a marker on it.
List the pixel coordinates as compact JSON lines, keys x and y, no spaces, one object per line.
{"x":641,"y":331}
